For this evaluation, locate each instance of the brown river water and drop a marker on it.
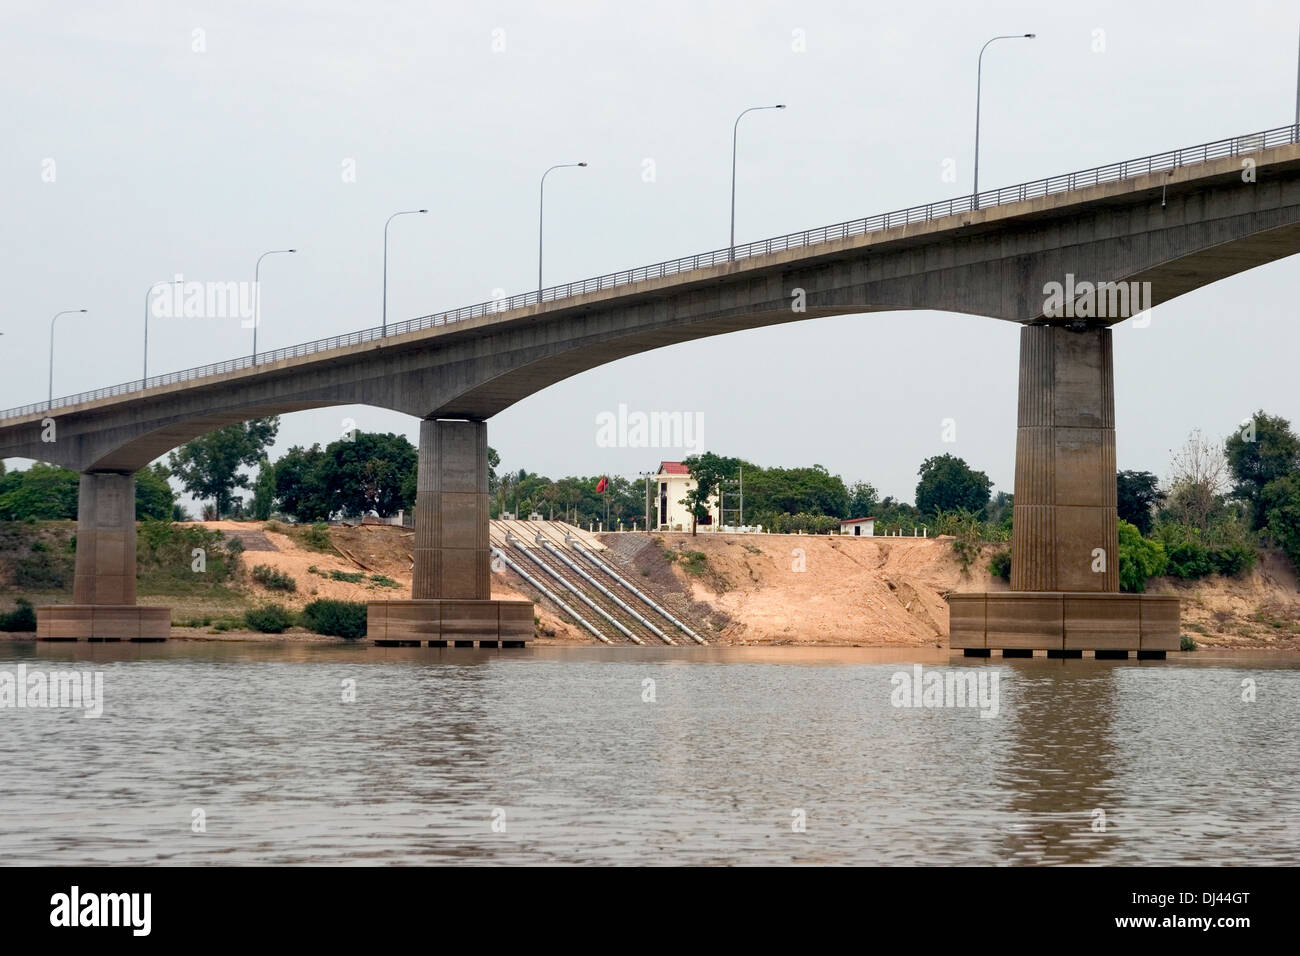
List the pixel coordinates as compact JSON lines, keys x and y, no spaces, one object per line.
{"x":250,"y":753}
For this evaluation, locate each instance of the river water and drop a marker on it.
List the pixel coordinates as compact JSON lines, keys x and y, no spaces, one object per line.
{"x":250,"y":753}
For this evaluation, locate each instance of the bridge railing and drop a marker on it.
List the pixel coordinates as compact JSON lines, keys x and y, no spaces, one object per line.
{"x":1081,"y":179}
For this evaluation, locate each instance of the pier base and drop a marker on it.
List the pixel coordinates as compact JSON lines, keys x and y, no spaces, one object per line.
{"x":102,"y":622}
{"x":1065,"y":595}
{"x":104,"y":587}
{"x":451,"y":591}
{"x":1063,"y":622}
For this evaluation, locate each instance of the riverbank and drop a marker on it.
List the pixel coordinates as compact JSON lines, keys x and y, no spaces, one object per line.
{"x":743,"y":590}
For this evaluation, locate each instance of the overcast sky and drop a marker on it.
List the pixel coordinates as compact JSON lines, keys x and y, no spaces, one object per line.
{"x":191,"y":137}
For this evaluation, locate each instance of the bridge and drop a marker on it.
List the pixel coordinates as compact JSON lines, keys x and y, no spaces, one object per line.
{"x":1065,"y":257}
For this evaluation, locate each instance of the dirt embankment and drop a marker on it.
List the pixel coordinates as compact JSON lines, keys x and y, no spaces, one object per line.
{"x":774,"y":589}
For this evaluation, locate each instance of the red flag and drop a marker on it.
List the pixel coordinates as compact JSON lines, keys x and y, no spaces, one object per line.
{"x":602,"y":485}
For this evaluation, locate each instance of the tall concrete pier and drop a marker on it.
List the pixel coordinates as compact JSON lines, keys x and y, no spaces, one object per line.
{"x":103,"y":592}
{"x":451,"y":591}
{"x":1064,"y":595}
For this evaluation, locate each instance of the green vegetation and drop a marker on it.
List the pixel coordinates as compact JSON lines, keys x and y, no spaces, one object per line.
{"x":317,"y":537}
{"x":1186,"y":643}
{"x":273,"y":579}
{"x":49,"y":493}
{"x":949,"y":484}
{"x":353,"y":476}
{"x":21,"y":618}
{"x":269,"y":619}
{"x":383,"y":581}
{"x":346,"y":619}
{"x":1139,"y":559}
{"x":1000,"y":565}
{"x":209,"y":466}
{"x":177,"y":560}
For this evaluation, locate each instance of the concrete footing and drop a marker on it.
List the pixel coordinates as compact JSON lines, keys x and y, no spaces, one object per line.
{"x":102,"y":622}
{"x":1063,"y":621}
{"x":439,"y":622}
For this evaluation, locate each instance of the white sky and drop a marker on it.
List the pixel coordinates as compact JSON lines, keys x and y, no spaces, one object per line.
{"x":173,"y":161}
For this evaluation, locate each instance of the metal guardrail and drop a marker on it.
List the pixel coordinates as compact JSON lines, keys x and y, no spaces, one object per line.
{"x":1234,"y":146}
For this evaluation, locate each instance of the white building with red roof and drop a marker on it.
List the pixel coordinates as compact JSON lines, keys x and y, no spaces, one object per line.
{"x":672,"y":481}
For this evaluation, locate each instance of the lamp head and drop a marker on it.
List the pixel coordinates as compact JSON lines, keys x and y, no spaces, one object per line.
{"x":780,"y":106}
{"x":1030,"y":36}
{"x":582,"y":164}
{"x":422,"y":210}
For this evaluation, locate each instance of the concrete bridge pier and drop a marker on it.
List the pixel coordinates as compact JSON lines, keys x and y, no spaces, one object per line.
{"x":103,"y":591}
{"x":451,"y":592}
{"x":1065,"y":595}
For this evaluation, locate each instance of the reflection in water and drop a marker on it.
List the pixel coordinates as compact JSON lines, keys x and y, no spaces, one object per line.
{"x":556,"y":755}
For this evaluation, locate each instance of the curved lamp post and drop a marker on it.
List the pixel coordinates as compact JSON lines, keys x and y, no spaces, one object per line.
{"x":735,"y":127}
{"x":975,"y":197}
{"x":541,"y":206}
{"x":407,"y":212}
{"x":52,"y":321}
{"x":257,"y":294}
{"x":147,"y":296}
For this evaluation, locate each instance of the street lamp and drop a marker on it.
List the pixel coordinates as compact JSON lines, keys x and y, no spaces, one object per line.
{"x":541,"y":205}
{"x":257,"y":294}
{"x":147,"y":296}
{"x":52,"y":321}
{"x":731,"y":253}
{"x":408,"y":212}
{"x":975,"y":200}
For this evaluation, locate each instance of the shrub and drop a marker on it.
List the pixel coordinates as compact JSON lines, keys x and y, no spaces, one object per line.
{"x":21,"y":618}
{"x":1000,"y":565}
{"x":1139,"y":559}
{"x":1186,"y":643}
{"x":383,"y":581}
{"x":317,"y":537}
{"x":273,"y":579}
{"x":346,"y":619}
{"x":269,"y":619}
{"x":351,"y":577}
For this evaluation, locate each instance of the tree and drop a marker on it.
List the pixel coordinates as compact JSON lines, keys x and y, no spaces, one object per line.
{"x":1198,"y":480}
{"x":862,"y":500}
{"x":209,"y":466}
{"x":264,"y":491}
{"x":707,"y":470}
{"x":948,"y":484}
{"x":1262,"y":451}
{"x":1138,"y":495}
{"x":42,"y":493}
{"x":1281,"y":502}
{"x":300,"y":484}
{"x":1000,"y":511}
{"x":154,"y":497}
{"x":367,"y":473}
